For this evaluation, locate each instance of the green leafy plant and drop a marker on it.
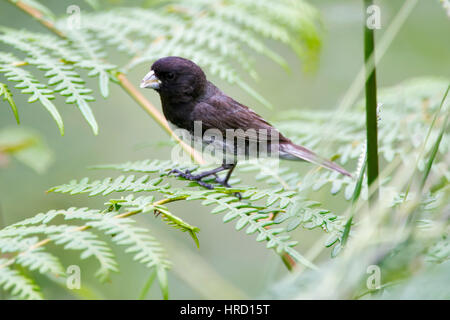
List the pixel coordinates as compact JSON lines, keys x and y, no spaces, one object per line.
{"x":283,"y":206}
{"x":409,"y":221}
{"x":182,"y":28}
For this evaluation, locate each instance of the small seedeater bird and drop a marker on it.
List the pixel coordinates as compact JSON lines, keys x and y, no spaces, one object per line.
{"x":187,"y":97}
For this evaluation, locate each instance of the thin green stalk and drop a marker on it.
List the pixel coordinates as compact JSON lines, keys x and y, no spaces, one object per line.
{"x":355,"y":197}
{"x":148,"y":285}
{"x":371,"y":110}
{"x":436,"y":143}
{"x":422,"y":149}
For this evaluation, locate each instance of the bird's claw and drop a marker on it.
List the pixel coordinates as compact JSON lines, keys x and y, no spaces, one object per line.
{"x":188,"y":176}
{"x":198,"y":178}
{"x":227,"y":185}
{"x":223,"y":182}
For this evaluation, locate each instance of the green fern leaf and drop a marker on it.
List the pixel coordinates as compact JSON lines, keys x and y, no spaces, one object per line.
{"x":107,"y":186}
{"x":145,"y":248}
{"x":30,"y":85}
{"x":89,"y":244}
{"x":147,"y":204}
{"x":63,"y":76}
{"x":19,"y":285}
{"x":4,"y":91}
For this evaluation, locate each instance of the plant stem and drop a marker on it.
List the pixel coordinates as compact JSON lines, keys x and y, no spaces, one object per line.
{"x":421,"y":154}
{"x":371,"y":110}
{"x":39,"y":16}
{"x":436,"y":144}
{"x":355,"y":197}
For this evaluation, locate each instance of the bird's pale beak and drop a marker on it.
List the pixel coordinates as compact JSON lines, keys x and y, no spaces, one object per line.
{"x":150,"y":81}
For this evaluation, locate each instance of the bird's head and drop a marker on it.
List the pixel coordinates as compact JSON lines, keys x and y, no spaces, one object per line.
{"x":175,"y":77}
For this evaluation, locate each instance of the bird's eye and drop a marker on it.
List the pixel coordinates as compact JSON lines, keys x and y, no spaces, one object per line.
{"x":170,"y":76}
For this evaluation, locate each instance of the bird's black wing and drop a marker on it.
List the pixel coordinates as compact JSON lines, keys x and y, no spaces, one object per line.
{"x":223,"y":113}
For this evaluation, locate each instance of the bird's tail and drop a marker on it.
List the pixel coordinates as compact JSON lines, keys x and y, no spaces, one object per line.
{"x":291,"y":151}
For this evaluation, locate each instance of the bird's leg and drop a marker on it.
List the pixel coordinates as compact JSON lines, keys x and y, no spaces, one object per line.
{"x":224,"y":181}
{"x":198,"y":177}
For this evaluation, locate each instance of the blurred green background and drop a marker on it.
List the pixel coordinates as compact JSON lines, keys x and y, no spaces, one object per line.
{"x":228,"y":264}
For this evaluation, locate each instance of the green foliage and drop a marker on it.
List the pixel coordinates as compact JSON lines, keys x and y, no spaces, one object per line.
{"x":146,"y":204}
{"x":29,"y":85}
{"x":249,"y":211}
{"x":219,"y":36}
{"x":309,"y":215}
{"x":4,"y":91}
{"x":194,"y":29}
{"x":405,"y":116}
{"x":273,"y":213}
{"x":21,"y":241}
{"x":20,"y":285}
{"x":407,"y":236}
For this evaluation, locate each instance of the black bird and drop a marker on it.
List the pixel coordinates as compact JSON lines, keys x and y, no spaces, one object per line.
{"x":187,"y":96}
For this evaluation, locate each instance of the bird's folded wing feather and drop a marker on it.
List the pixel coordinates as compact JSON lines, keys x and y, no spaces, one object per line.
{"x":223,"y":113}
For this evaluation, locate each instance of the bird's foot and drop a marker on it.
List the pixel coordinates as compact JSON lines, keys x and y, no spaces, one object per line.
{"x":198,"y":178}
{"x":225,"y":183}
{"x":189,"y":176}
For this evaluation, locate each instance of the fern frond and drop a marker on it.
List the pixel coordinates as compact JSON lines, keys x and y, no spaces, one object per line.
{"x":44,"y":262}
{"x":177,"y":223}
{"x":109,"y":185}
{"x":274,"y":197}
{"x":90,"y":246}
{"x":20,"y":239}
{"x":19,"y":285}
{"x":309,"y":215}
{"x":82,"y":51}
{"x":402,"y":129}
{"x":148,"y":166}
{"x":293,"y":23}
{"x":255,"y":219}
{"x":30,"y":85}
{"x":263,"y":203}
{"x":68,"y":82}
{"x":196,"y":30}
{"x":223,"y":198}
{"x":71,"y":237}
{"x":93,"y":54}
{"x":145,"y":248}
{"x":6,"y":94}
{"x":147,"y":204}
{"x":68,"y":214}
{"x":209,"y":32}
